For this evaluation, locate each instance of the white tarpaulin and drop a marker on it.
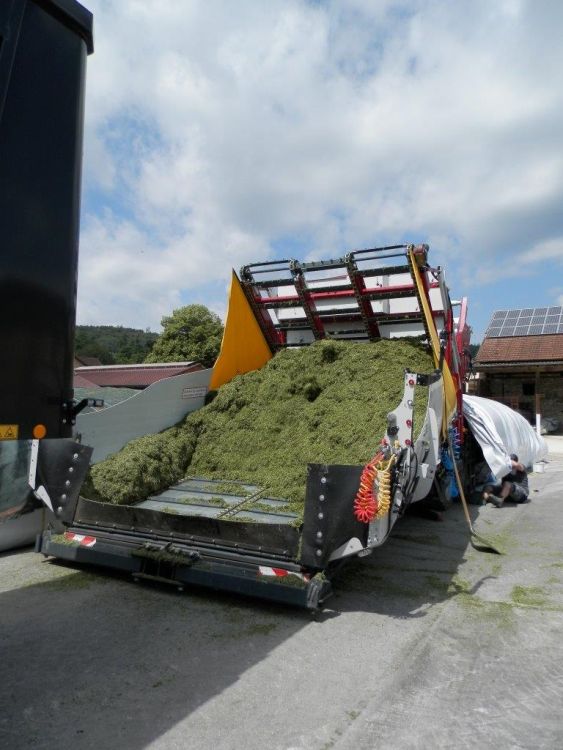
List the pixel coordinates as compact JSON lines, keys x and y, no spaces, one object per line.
{"x":500,"y":431}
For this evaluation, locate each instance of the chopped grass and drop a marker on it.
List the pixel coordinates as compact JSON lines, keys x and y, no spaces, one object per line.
{"x":325,"y":403}
{"x":62,"y":539}
{"x":144,"y":466}
{"x":529,"y":596}
{"x":231,"y":488}
{"x":219,"y":502}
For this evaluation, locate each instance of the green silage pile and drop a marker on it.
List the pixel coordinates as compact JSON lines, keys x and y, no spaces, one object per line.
{"x":325,"y":403}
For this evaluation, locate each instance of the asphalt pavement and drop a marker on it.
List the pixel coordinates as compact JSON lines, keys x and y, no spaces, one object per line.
{"x":428,"y":643}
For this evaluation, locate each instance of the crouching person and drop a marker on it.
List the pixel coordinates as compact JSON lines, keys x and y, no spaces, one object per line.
{"x":514,"y":486}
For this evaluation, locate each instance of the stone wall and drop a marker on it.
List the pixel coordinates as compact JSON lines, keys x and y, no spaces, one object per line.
{"x":552,"y":402}
{"x":518,"y":391}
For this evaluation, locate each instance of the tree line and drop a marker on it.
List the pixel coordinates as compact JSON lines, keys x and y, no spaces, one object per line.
{"x":191,"y":333}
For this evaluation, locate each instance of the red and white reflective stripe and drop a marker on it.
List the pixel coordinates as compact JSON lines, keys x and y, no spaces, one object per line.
{"x":84,"y":541}
{"x":281,"y":573}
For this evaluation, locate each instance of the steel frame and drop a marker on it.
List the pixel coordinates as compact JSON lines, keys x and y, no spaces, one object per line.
{"x":258,"y":279}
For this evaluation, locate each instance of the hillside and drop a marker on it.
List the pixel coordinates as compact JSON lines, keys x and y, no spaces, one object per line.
{"x":114,"y":344}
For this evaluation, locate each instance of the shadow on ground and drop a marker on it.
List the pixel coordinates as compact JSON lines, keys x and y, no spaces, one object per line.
{"x":89,"y":655}
{"x":417,"y":567}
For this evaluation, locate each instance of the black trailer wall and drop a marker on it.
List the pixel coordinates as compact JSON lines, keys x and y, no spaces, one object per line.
{"x":43,"y":49}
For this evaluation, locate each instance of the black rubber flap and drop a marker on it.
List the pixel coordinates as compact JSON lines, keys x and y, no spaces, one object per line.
{"x":277,"y":539}
{"x":61,"y":468}
{"x":329,"y":516}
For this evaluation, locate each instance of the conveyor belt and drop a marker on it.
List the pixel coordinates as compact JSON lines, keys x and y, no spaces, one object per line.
{"x":207,"y":497}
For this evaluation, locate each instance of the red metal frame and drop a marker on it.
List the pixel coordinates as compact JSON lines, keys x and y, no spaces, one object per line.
{"x":306,"y":300}
{"x":365,"y":294}
{"x":275,"y":337}
{"x":259,"y":279}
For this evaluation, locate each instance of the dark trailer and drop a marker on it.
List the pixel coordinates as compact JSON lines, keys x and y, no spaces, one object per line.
{"x":43,"y":50}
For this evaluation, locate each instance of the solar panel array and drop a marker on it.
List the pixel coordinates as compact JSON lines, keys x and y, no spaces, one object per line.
{"x":531,"y":321}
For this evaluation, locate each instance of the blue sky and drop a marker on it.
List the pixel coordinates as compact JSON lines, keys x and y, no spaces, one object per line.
{"x":222,"y":133}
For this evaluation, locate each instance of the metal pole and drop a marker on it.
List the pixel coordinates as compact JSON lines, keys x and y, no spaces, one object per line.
{"x":538,"y":410}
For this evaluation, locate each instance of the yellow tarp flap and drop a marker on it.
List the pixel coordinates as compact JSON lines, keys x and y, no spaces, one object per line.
{"x":244,"y":347}
{"x":450,"y":397}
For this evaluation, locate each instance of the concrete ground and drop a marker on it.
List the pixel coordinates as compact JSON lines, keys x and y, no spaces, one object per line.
{"x":427,"y":644}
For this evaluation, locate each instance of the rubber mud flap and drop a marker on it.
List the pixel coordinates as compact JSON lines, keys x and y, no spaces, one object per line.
{"x":329,"y":519}
{"x":61,"y":468}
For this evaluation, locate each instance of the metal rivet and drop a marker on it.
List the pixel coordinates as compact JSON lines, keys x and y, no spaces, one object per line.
{"x":70,"y":469}
{"x":321,"y":516}
{"x":60,"y":509}
{"x":319,"y":552}
{"x":75,"y":456}
{"x":323,"y":480}
{"x":321,"y":498}
{"x":67,"y":483}
{"x":319,"y":534}
{"x":63,"y":497}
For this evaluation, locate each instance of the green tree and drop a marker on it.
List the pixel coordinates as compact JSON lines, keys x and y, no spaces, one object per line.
{"x":191,"y":333}
{"x":114,"y":344}
{"x":88,"y":346}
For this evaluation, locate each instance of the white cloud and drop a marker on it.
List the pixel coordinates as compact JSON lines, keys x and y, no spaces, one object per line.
{"x":126,"y":270}
{"x":214,"y":129}
{"x":548,"y":250}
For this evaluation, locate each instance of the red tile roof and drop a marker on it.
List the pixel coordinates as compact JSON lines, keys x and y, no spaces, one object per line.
{"x":546,"y":348}
{"x":86,"y":361}
{"x":81,"y":382}
{"x":133,"y":376}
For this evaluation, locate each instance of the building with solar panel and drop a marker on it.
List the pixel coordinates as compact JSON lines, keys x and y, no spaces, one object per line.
{"x":520,"y":363}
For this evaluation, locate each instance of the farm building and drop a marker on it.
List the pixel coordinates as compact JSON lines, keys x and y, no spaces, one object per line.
{"x":520,"y":363}
{"x":130,"y":376}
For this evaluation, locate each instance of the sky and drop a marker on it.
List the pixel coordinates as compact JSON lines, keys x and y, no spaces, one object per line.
{"x":219,"y":133}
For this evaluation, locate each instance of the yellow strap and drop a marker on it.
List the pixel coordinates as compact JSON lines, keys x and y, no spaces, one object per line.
{"x":450,"y":394}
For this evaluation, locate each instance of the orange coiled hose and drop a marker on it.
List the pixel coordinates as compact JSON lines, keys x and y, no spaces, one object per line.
{"x":384,"y":489}
{"x":366,"y":502}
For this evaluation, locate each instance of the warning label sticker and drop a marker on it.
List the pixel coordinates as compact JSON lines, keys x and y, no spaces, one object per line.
{"x":9,"y":431}
{"x":198,"y":391}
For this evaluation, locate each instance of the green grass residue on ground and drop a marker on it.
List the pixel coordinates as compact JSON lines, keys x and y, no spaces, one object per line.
{"x":528,"y":596}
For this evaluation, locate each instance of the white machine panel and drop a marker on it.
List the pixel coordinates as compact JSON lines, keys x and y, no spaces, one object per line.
{"x":159,"y":406}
